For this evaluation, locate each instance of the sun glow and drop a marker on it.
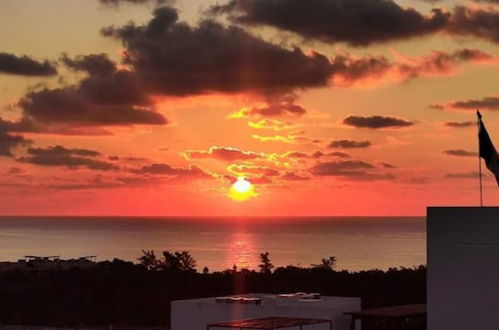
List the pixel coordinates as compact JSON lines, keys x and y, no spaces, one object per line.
{"x":241,"y":190}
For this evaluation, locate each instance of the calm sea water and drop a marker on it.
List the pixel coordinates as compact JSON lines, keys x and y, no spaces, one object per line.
{"x":220,"y":243}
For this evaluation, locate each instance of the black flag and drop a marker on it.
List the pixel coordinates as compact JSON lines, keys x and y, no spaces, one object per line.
{"x":487,"y":150}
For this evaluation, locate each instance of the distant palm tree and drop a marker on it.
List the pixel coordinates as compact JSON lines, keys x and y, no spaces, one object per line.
{"x":329,"y":263}
{"x":178,"y":261}
{"x":265,"y":266}
{"x":149,"y":260}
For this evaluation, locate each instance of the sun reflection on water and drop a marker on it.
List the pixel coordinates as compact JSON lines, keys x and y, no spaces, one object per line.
{"x":242,"y":252}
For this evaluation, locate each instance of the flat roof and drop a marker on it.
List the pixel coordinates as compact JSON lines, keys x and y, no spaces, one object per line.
{"x":392,"y":311}
{"x":325,"y":302}
{"x":268,"y":323}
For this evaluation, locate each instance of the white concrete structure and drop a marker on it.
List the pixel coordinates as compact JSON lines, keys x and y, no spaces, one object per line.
{"x":463,"y":268}
{"x":195,"y":314}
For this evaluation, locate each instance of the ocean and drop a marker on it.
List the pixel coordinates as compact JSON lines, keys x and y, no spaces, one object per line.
{"x":358,"y":243}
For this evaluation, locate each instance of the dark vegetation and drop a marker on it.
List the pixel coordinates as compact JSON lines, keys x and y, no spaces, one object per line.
{"x":119,"y":292}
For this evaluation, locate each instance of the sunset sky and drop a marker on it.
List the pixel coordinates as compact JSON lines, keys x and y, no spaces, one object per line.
{"x":328,"y":107}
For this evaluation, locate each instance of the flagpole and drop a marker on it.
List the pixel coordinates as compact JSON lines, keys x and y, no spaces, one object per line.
{"x":480,"y":175}
{"x":479,"y":160}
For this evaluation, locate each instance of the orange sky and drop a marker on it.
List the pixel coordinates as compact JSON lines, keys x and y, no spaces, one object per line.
{"x":101,"y":116}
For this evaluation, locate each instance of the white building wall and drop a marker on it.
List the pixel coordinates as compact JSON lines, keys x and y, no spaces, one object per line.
{"x":463,"y":268}
{"x":195,"y":314}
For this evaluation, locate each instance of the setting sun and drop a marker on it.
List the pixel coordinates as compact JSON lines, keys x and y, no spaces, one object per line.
{"x":241,"y":190}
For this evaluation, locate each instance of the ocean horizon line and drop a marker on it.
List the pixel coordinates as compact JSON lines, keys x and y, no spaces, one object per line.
{"x":210,"y":216}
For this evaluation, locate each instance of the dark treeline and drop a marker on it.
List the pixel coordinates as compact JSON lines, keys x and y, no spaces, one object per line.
{"x":119,"y":292}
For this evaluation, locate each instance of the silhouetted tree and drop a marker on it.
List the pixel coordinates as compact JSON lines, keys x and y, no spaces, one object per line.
{"x":329,"y":263}
{"x":178,"y":261}
{"x":265,"y":266}
{"x":149,"y":260}
{"x":206,"y":270}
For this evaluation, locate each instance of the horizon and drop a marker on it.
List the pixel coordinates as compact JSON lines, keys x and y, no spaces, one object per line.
{"x":216,"y":216}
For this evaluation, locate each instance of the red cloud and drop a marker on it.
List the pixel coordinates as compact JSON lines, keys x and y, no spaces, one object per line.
{"x":229,"y":154}
{"x":485,"y":103}
{"x":252,"y":169}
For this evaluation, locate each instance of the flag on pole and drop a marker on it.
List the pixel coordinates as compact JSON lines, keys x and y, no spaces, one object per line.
{"x":487,"y":150}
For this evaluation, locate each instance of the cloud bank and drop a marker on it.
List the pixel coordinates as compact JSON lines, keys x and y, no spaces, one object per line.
{"x":25,"y":66}
{"x":376,"y":122}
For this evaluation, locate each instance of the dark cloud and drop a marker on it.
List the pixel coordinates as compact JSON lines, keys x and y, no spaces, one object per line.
{"x":117,"y":99}
{"x":460,"y":153}
{"x":338,"y":154}
{"x":223,"y":153}
{"x":279,"y":107}
{"x":94,"y":64}
{"x":62,"y":151}
{"x":318,"y":154}
{"x":177,"y":59}
{"x":350,"y":69}
{"x":290,"y":176}
{"x":460,"y":124}
{"x":376,"y":122}
{"x":387,"y":165}
{"x":23,"y":125}
{"x":464,"y":175}
{"x":8,"y":142}
{"x":29,"y":125}
{"x":357,"y":22}
{"x":363,"y":22}
{"x":168,"y":57}
{"x":436,"y":106}
{"x":256,"y":180}
{"x":71,"y":158}
{"x":351,"y":169}
{"x":25,"y":66}
{"x":340,"y":168}
{"x":107,"y":96}
{"x":438,"y":63}
{"x":165,"y":169}
{"x":469,"y":54}
{"x":295,"y":154}
{"x":134,"y":159}
{"x":174,"y":58}
{"x":478,"y":22}
{"x":349,"y":144}
{"x":486,"y":103}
